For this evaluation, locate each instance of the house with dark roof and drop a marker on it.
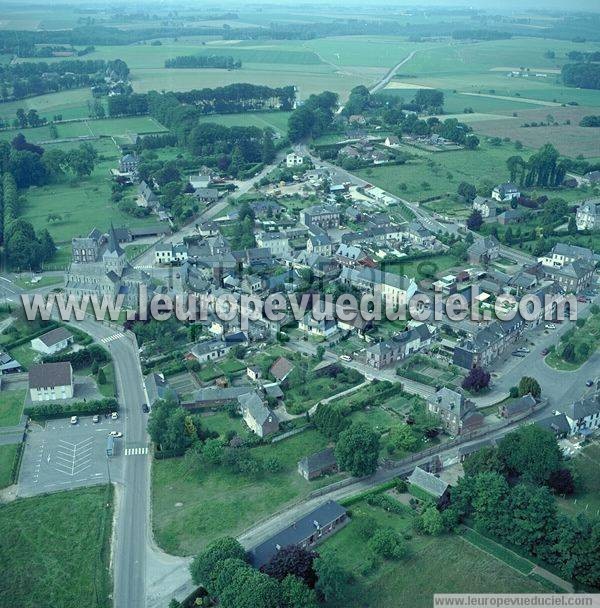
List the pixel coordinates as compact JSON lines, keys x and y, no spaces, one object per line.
{"x":505,"y":192}
{"x":516,"y":407}
{"x":317,"y":464}
{"x":51,"y":381}
{"x":206,"y":195}
{"x":555,"y":423}
{"x":583,"y":415}
{"x":8,"y":365}
{"x":484,"y":250}
{"x":145,"y":197}
{"x":53,"y":342}
{"x":457,"y":413}
{"x":486,"y":207}
{"x":427,"y":483}
{"x":588,"y":215}
{"x":158,"y":388}
{"x":563,"y":254}
{"x":306,"y":532}
{"x":398,"y":347}
{"x":257,"y":415}
{"x":574,"y":277}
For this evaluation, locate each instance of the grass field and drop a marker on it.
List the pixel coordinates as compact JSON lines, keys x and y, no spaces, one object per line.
{"x":8,"y":454}
{"x":55,"y":549}
{"x":11,"y":407}
{"x":191,"y":508}
{"x":81,"y":205}
{"x":416,"y":268}
{"x":446,"y":564}
{"x":70,"y":104}
{"x":275,"y":120}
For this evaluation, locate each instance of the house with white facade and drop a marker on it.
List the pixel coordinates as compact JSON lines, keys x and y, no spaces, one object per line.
{"x":505,"y":192}
{"x":293,"y":160}
{"x":53,"y":342}
{"x":588,"y":215}
{"x":51,"y":381}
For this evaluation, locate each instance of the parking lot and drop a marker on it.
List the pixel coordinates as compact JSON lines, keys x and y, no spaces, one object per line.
{"x":61,"y":456}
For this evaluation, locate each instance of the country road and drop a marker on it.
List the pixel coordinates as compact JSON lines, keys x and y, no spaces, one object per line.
{"x":386,"y":79}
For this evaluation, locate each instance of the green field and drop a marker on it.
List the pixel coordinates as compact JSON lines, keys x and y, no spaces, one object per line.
{"x":446,"y":564}
{"x":275,"y":120}
{"x":81,"y":205}
{"x":8,"y":454}
{"x":70,"y":104}
{"x":57,"y":546}
{"x":191,"y":508}
{"x":11,"y":407}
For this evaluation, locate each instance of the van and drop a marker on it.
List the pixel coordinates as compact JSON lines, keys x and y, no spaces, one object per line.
{"x":110,"y":446}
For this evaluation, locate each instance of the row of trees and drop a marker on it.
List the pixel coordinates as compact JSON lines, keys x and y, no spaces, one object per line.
{"x":507,"y":492}
{"x":313,"y":117}
{"x":581,"y":75}
{"x":204,"y":61}
{"x":542,"y":169}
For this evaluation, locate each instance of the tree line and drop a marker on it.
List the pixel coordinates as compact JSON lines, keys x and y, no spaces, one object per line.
{"x":204,"y":61}
{"x":582,"y":75}
{"x":544,"y":168}
{"x":26,"y":79}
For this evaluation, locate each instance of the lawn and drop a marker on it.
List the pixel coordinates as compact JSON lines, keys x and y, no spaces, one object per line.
{"x":425,"y":268}
{"x":11,"y":407}
{"x":55,"y":550}
{"x":274,"y":120}
{"x":587,"y":497}
{"x":446,"y":564}
{"x":8,"y":454}
{"x":25,"y":355}
{"x":71,"y":103}
{"x":191,"y":508}
{"x":81,"y":205}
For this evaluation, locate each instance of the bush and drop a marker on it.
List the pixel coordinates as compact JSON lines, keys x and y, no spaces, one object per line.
{"x":76,"y":408}
{"x":388,"y":544}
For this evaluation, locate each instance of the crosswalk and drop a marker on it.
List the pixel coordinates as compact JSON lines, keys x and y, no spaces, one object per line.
{"x":112,"y":338}
{"x":136,"y":451}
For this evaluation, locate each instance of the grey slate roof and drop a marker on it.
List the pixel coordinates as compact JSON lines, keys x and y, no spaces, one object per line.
{"x":47,"y":375}
{"x":588,"y":406}
{"x":55,"y":336}
{"x":254,"y":405}
{"x":296,"y":532}
{"x":428,"y":482}
{"x":319,"y":460}
{"x":557,"y":423}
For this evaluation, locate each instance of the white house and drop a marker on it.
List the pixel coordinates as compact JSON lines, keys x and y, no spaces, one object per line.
{"x":51,"y":381}
{"x":588,"y":215}
{"x":199,"y":181}
{"x":277,"y":242}
{"x":52,"y":342}
{"x":169,"y":253}
{"x":294,"y":160}
{"x":505,"y":192}
{"x":584,"y":415}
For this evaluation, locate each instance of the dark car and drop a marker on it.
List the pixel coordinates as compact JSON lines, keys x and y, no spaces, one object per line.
{"x":517,"y":353}
{"x":589,"y":383}
{"x":145,"y":408}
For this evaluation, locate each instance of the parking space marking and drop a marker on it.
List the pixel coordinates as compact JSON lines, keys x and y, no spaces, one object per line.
{"x":73,"y":458}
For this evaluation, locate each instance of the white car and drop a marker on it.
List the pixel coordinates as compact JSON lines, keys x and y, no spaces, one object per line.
{"x":550,"y":326}
{"x":116,"y":434}
{"x":345,"y":357}
{"x":74,"y":419}
{"x":114,"y":416}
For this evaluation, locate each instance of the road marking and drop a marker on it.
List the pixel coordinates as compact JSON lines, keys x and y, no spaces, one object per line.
{"x":112,"y":338}
{"x":135,"y":451}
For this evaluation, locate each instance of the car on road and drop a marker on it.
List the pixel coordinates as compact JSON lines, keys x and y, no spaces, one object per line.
{"x":517,"y":353}
{"x":115,"y":434}
{"x":550,"y":326}
{"x":345,"y":357}
{"x":589,"y":383}
{"x":74,"y":420}
{"x":544,"y":352}
{"x":96,"y":418}
{"x":524,"y":349}
{"x":114,"y":416}
{"x":145,"y":408}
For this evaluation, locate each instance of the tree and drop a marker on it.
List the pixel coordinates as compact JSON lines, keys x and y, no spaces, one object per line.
{"x":204,"y":564}
{"x":531,"y":452}
{"x":475,"y":220}
{"x":467,"y":191}
{"x":320,"y":352}
{"x":402,"y":437}
{"x":476,"y":380}
{"x":528,"y":386}
{"x":561,"y":481}
{"x":431,"y":521}
{"x":329,"y":420}
{"x":101,"y":376}
{"x":268,"y":149}
{"x":331,"y":578}
{"x":357,"y":449}
{"x":292,"y":560}
{"x":387,"y":543}
{"x":295,"y":594}
{"x":490,"y":503}
{"x":484,"y":460}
